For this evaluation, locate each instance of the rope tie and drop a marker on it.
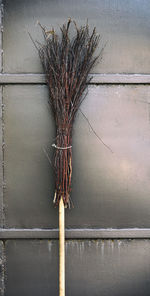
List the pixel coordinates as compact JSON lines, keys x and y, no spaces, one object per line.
{"x":62,"y":148}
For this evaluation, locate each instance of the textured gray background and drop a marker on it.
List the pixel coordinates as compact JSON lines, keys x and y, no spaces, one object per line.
{"x":123,"y":24}
{"x":108,"y":268}
{"x":109,"y":190}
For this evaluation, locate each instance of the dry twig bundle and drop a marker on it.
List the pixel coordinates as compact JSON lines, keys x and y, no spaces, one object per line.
{"x":67,"y":63}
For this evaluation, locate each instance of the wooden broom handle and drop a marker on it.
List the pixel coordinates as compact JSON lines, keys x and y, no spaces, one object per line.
{"x":61,"y":248}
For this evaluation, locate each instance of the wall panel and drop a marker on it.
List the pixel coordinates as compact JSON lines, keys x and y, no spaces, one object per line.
{"x":98,"y":267}
{"x":124,"y":25}
{"x":110,"y":186}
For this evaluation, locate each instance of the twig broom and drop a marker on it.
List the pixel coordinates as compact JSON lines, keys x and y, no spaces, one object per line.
{"x":67,"y":63}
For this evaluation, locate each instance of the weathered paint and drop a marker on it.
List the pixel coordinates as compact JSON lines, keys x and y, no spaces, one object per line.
{"x":95,"y":267}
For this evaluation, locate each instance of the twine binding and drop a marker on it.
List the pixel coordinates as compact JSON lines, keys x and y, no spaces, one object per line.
{"x":63,"y":148}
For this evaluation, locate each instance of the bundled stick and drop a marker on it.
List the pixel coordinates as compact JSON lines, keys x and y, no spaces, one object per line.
{"x":67,"y":63}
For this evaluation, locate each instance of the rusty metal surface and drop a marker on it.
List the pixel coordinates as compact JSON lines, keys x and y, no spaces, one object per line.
{"x":110,"y":189}
{"x":124,"y":25}
{"x":97,"y":267}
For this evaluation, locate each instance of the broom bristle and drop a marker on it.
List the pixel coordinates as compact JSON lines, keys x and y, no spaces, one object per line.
{"x":67,"y":63}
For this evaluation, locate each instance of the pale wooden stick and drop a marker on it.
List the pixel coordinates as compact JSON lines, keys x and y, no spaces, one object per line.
{"x":61,"y":248}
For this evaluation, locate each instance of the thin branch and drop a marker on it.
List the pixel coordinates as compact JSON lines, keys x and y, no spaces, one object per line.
{"x":93,"y":130}
{"x":33,"y":41}
{"x":46,"y":153}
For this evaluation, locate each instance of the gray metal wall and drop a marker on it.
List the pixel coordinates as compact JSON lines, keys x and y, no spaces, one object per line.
{"x":108,"y":230}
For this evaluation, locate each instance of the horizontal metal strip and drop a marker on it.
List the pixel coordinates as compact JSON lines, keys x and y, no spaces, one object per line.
{"x":97,"y":78}
{"x":75,"y":233}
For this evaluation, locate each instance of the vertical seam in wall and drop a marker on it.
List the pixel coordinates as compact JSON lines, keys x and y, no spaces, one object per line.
{"x":3,"y":146}
{"x":3,"y":161}
{"x":3,"y":267}
{"x":2,"y":114}
{"x":2,"y":224}
{"x":1,"y":35}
